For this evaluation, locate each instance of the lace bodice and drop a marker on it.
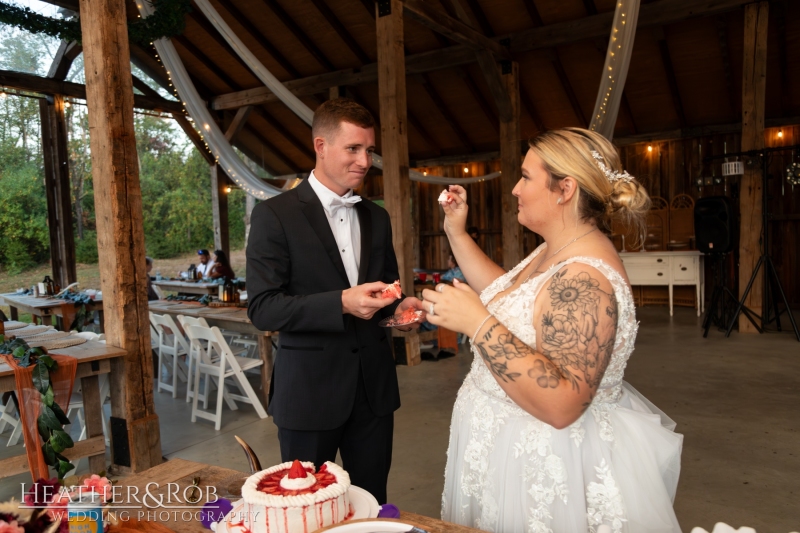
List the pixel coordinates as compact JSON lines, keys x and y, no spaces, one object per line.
{"x":515,"y":311}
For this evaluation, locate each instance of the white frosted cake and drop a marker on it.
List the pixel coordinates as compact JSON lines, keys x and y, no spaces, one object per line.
{"x":292,"y":498}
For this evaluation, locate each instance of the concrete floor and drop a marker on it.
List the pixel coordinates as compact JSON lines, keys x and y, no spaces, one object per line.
{"x":735,"y":400}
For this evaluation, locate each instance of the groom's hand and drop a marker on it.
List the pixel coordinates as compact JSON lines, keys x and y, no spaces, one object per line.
{"x":360,"y":302}
{"x":405,"y":304}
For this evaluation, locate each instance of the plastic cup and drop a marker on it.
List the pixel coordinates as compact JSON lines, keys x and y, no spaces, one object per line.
{"x":423,"y":276}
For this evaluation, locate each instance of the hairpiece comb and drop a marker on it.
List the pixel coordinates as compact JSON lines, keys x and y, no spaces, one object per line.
{"x":611,"y":175}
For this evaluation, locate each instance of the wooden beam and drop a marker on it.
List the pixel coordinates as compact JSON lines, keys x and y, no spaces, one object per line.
{"x":756,"y":18}
{"x":591,"y":9}
{"x":190,"y":132}
{"x":533,"y":12}
{"x":58,"y":189}
{"x":453,"y":29}
{"x":511,"y":166}
{"x":394,"y":136}
{"x":672,"y":80}
{"x":259,"y":37}
{"x":568,"y":90}
{"x":291,"y":165}
{"x":197,"y":16}
{"x":18,"y":464}
{"x":662,"y":12}
{"x":219,"y":209}
{"x":369,"y":5}
{"x":238,"y":122}
{"x":299,"y":34}
{"x":341,"y":31}
{"x":37,"y":84}
{"x":62,"y":62}
{"x":783,"y":67}
{"x":700,"y":131}
{"x":482,"y":102}
{"x":445,"y":111}
{"x":120,"y":232}
{"x":258,"y":159}
{"x":147,"y":62}
{"x":187,"y":45}
{"x":626,"y":108}
{"x":530,"y":108}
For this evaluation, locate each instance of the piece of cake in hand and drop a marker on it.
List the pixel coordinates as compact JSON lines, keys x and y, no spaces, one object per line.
{"x":409,"y":316}
{"x":292,"y":498}
{"x":446,"y":197}
{"x":392,"y":292}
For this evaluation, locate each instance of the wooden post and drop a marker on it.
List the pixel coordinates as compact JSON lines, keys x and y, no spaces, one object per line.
{"x":754,"y":79}
{"x":219,"y":207}
{"x":394,"y":135}
{"x":510,"y":165}
{"x":57,"y":188}
{"x":120,"y":233}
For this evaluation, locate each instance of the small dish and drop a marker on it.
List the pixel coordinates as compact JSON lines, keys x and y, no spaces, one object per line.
{"x":402,"y":319}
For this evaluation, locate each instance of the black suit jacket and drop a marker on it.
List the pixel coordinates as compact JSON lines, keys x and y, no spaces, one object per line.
{"x":295,"y":279}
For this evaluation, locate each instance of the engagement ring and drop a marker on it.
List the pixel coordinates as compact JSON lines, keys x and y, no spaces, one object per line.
{"x":431,"y":311}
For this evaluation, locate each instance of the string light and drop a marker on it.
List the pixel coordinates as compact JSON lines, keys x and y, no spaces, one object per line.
{"x":228,"y":189}
{"x":466,"y":170}
{"x":649,"y":147}
{"x":780,"y":134}
{"x":67,"y":103}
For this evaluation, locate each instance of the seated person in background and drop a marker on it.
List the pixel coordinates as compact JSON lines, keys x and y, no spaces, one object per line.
{"x":222,"y":267}
{"x":454,"y":272}
{"x":151,"y":293}
{"x":206,"y":264}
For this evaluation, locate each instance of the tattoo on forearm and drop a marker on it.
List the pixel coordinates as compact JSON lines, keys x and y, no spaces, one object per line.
{"x":545,"y":373}
{"x":498,"y":367}
{"x":574,"y":338}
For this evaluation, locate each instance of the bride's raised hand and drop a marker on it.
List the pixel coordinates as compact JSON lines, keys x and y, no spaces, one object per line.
{"x":455,"y":210}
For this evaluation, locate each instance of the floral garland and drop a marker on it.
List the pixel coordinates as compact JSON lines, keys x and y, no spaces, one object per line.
{"x":52,"y":419}
{"x":77,"y":299}
{"x":168,"y":20}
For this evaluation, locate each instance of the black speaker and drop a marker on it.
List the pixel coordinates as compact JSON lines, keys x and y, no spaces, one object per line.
{"x":714,"y":225}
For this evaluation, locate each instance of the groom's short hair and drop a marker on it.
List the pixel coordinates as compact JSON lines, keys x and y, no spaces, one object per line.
{"x":330,"y":114}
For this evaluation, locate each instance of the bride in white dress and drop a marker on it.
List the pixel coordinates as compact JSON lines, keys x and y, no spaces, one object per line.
{"x":545,"y":435}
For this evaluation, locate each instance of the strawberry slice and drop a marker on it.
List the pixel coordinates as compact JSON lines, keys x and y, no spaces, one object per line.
{"x":297,"y":471}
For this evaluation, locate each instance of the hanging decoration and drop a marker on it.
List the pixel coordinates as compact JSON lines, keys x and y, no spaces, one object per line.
{"x":169,"y":20}
{"x":793,"y":173}
{"x":295,"y":104}
{"x":615,"y":70}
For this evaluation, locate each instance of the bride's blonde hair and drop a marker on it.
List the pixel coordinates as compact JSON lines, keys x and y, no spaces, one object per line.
{"x":568,"y":152}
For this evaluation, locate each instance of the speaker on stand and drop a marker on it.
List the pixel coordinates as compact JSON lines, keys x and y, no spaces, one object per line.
{"x":715,"y":233}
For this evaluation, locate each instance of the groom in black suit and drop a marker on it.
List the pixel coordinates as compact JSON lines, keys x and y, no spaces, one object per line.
{"x":316,"y":257}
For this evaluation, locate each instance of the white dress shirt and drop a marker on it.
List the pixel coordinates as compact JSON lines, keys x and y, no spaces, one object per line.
{"x":205,"y":269}
{"x":344,"y":225}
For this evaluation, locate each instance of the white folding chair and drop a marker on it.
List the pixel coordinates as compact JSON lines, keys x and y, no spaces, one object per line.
{"x":75,"y":409}
{"x":7,"y":418}
{"x":158,"y":291}
{"x":171,"y":345}
{"x":208,"y":343}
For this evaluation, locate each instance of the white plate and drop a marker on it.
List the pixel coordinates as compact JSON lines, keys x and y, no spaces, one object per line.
{"x":364,"y":506}
{"x":371,"y":526}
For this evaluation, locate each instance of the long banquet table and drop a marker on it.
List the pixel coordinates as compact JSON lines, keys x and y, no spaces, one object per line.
{"x":94,"y":359}
{"x":182,"y":472}
{"x":45,"y":307}
{"x":188,"y":287}
{"x":230,"y":318}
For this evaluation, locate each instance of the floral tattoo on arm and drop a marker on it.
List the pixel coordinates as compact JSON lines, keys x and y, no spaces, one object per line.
{"x":573,"y":336}
{"x":577,"y":344}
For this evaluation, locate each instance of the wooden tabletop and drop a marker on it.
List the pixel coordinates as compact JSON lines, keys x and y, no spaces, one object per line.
{"x":87,"y":352}
{"x":182,"y":472}
{"x":40,"y":302}
{"x":195,"y":309}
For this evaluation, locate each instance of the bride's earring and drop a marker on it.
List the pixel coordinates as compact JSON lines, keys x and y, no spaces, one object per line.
{"x":559,"y":201}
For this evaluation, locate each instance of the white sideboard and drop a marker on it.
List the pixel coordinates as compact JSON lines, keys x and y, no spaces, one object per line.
{"x":667,"y":268}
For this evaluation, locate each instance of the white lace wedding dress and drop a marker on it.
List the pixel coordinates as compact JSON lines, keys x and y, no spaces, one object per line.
{"x":508,"y":472}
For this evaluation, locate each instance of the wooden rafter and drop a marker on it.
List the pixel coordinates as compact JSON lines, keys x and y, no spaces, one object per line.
{"x":340,"y":30}
{"x":472,"y":85}
{"x":203,"y":59}
{"x":453,"y":29}
{"x":66,"y":54}
{"x":626,"y":108}
{"x":530,"y":108}
{"x":369,"y":5}
{"x":193,"y":136}
{"x":147,"y":63}
{"x":299,"y":34}
{"x":530,"y":7}
{"x":783,"y":68}
{"x":445,"y":111}
{"x":279,"y":128}
{"x":37,"y":84}
{"x":258,"y":159}
{"x":657,"y":13}
{"x":591,"y":9}
{"x":259,"y":37}
{"x":672,"y":81}
{"x":480,"y":16}
{"x":291,"y":165}
{"x":202,"y":21}
{"x":238,"y":123}
{"x":558,"y":66}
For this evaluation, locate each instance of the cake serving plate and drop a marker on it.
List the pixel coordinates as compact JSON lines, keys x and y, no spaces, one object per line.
{"x":364,"y":505}
{"x":381,"y":525}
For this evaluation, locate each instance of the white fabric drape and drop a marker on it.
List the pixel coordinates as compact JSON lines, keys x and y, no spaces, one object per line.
{"x":615,"y":70}
{"x":294,"y":103}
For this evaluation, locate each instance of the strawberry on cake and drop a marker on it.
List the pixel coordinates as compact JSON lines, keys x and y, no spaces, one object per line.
{"x":292,"y":498}
{"x":392,"y":292}
{"x":409,"y":316}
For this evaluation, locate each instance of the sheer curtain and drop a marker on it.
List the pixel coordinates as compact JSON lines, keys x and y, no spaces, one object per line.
{"x":615,"y":70}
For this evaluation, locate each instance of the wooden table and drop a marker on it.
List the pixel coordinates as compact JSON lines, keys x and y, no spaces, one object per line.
{"x":93,"y":359}
{"x":45,"y":308}
{"x":188,"y":287}
{"x":181,"y":472}
{"x":229,"y":318}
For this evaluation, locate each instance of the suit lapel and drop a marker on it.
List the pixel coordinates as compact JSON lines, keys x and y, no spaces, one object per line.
{"x":315,"y":213}
{"x":365,"y":224}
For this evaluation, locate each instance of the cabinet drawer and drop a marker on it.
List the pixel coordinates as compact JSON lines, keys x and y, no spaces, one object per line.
{"x":645,"y":260}
{"x":647,"y":275}
{"x":684,"y":269}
